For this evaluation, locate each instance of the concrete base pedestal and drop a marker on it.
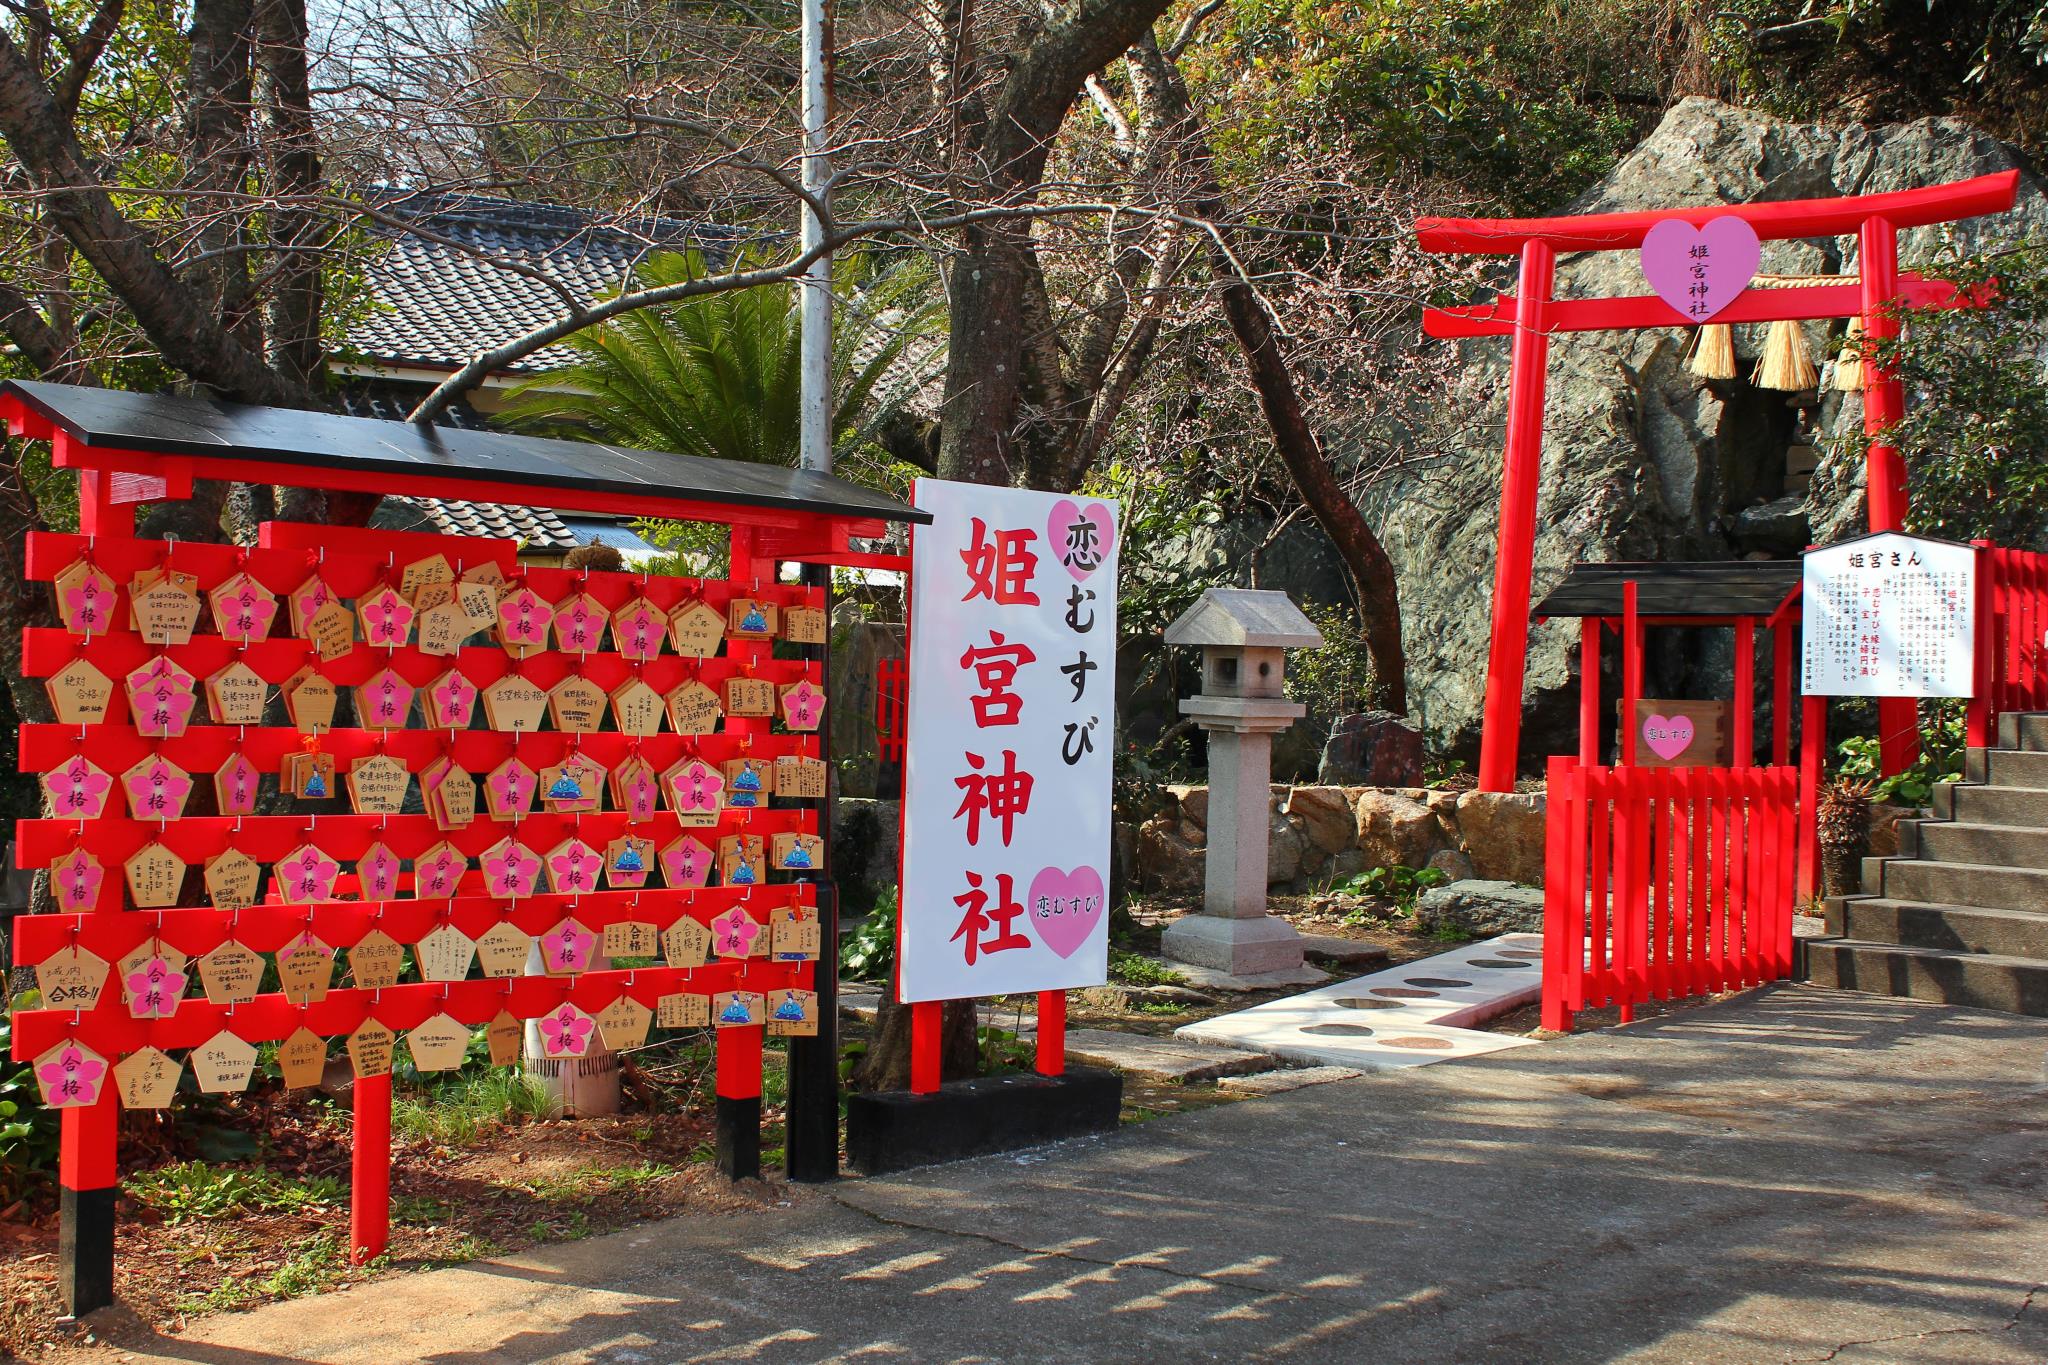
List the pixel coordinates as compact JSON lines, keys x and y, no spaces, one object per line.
{"x":1241,"y":946}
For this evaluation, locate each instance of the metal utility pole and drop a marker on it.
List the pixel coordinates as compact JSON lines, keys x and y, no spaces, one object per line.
{"x":811,"y":1143}
{"x":816,"y":400}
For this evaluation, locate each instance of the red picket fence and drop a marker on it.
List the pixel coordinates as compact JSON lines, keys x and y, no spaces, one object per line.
{"x":892,"y":707}
{"x":2012,"y":646}
{"x":1665,"y":882}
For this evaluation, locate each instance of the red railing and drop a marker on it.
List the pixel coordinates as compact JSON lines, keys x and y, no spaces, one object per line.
{"x":1665,"y":882}
{"x":2012,"y":637}
{"x":892,"y":696}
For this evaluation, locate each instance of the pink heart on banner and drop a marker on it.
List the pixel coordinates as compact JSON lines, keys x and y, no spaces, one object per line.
{"x":1082,"y":540}
{"x":1700,"y":270}
{"x":1668,"y":736}
{"x":1065,"y":907}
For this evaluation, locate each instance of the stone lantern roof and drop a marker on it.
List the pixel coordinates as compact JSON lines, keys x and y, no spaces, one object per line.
{"x":1244,"y":618}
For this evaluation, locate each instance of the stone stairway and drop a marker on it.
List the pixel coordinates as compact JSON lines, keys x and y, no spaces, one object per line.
{"x":1960,"y":916}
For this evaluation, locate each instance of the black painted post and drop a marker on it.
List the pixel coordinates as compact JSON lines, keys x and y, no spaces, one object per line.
{"x":737,"y":1147}
{"x":811,"y":1139}
{"x":85,"y":1187}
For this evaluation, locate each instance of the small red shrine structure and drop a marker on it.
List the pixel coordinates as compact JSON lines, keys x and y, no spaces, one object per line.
{"x":1532,"y":315}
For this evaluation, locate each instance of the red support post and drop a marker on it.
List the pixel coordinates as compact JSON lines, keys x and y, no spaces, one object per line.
{"x":1631,"y":673}
{"x":1745,"y":692}
{"x":1052,"y":1033}
{"x":1884,"y":403}
{"x":927,"y":1026}
{"x":86,"y":1138}
{"x":1813,"y":741}
{"x":369,"y":1203}
{"x":1529,"y":357}
{"x":1781,"y":693}
{"x":1589,"y":692}
{"x":1981,"y":719}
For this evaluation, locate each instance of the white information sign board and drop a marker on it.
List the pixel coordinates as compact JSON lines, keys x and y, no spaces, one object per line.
{"x":1889,"y":615}
{"x":1008,"y":754}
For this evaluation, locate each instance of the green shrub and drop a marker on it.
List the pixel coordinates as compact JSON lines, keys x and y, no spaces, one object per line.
{"x":869,"y":952}
{"x":1941,"y":758}
{"x":1135,"y":969}
{"x":28,"y":1130}
{"x":1401,"y":885}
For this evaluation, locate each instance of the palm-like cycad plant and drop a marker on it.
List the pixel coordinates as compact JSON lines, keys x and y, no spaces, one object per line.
{"x":717,"y":375}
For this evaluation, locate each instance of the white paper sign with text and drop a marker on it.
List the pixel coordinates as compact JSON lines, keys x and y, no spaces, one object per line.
{"x":1889,"y":615}
{"x":1006,"y":777}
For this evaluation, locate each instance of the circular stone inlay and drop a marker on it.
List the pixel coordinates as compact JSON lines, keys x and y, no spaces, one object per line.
{"x":1495,"y":962}
{"x":1420,"y":1044}
{"x":1403,"y":993}
{"x":1343,"y":1030}
{"x":1353,"y":1002}
{"x":1434,"y":981}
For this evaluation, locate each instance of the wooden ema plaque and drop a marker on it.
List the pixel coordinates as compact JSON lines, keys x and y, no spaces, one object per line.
{"x":361,"y":891}
{"x":1682,"y":734}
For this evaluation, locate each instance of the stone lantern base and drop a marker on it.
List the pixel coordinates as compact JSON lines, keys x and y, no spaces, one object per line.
{"x":1242,"y":947}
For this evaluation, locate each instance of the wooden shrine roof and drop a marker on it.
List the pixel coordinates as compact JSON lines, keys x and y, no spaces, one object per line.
{"x":503,"y":466}
{"x":1731,"y":587}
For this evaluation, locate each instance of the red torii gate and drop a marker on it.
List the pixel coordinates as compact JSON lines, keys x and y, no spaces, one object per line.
{"x":1531,"y":315}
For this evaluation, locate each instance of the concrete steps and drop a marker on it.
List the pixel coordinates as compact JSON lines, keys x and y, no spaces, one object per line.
{"x":1960,"y":917}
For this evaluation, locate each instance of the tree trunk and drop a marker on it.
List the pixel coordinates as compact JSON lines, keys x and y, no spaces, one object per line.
{"x":1301,"y":451}
{"x":293,"y":312}
{"x":886,"y":1066}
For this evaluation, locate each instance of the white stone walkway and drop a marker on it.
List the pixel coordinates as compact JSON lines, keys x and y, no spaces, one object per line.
{"x":1411,"y":1015}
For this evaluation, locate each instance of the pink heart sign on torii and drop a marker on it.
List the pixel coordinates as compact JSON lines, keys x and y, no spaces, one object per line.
{"x":1700,"y":270}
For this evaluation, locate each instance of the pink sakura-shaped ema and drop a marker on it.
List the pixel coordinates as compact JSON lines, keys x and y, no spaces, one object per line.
{"x":509,"y":788}
{"x":803,"y":705}
{"x":733,"y":933}
{"x":377,"y":873}
{"x":639,"y":630}
{"x":70,"y":1076}
{"x":573,"y":868}
{"x":697,"y":786}
{"x":568,"y":947}
{"x":565,"y":1031}
{"x":451,"y":702}
{"x":523,"y":619}
{"x":686,"y":862}
{"x":386,"y":701}
{"x":511,"y":869}
{"x":89,"y":604}
{"x":236,"y":786}
{"x":154,"y":988}
{"x":306,"y":874}
{"x":161,"y":695}
{"x":78,"y":876}
{"x":387,"y":618}
{"x":579,"y":624}
{"x":77,"y":790}
{"x":243,"y":609}
{"x":437,"y":872}
{"x":157,"y":789}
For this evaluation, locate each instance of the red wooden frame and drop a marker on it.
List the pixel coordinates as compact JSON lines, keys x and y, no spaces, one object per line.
{"x":1532,"y":315}
{"x":111,"y":482}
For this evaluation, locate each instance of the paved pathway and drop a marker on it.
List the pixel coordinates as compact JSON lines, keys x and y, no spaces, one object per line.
{"x":1794,"y":1176}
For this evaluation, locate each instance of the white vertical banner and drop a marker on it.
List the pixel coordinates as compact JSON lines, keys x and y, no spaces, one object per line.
{"x":1008,"y":754}
{"x":1889,"y":615}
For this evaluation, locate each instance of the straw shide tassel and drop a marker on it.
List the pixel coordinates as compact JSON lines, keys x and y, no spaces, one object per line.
{"x":1785,"y":365}
{"x":1849,"y":375}
{"x":1713,"y":351}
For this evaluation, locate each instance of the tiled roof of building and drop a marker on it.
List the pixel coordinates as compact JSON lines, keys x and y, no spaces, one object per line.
{"x":537,"y":529}
{"x":442,"y":293}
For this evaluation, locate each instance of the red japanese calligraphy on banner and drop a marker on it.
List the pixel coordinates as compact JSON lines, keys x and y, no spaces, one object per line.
{"x":1007,"y":776}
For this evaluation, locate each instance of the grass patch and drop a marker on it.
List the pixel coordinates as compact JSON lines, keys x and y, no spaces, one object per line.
{"x":456,"y":1113}
{"x":1158,"y":1007}
{"x":586,"y":1183}
{"x":194,"y":1189}
{"x":1127,"y":968}
{"x":317,"y":1265}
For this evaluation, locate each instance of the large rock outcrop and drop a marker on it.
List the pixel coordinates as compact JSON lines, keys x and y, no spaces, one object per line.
{"x":1641,"y":459}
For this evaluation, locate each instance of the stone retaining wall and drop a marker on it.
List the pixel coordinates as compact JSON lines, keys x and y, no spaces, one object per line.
{"x":1324,"y":834}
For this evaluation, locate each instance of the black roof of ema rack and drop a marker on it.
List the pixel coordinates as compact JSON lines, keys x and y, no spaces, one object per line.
{"x":166,"y":425}
{"x":1733,"y":587}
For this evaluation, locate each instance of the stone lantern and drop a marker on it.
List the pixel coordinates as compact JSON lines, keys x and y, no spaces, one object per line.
{"x":1243,"y":634}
